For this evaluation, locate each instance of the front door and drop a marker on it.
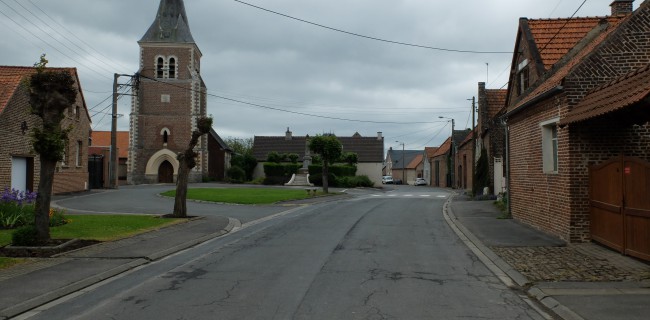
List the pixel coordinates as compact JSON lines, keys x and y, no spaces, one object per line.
{"x":166,"y":172}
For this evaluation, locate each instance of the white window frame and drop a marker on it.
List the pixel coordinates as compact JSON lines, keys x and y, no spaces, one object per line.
{"x":550,"y":146}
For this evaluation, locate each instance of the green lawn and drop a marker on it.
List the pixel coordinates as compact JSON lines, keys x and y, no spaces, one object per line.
{"x":8,"y":262}
{"x":243,"y":195}
{"x":100,"y":227}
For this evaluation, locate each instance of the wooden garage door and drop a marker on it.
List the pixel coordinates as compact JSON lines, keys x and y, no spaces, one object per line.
{"x":620,"y":205}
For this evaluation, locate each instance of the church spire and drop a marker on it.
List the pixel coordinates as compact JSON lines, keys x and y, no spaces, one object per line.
{"x":170,"y":25}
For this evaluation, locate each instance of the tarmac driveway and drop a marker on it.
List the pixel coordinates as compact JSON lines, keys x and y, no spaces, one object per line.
{"x":145,"y":199}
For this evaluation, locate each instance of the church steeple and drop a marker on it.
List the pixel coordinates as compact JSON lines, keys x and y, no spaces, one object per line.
{"x":171,"y":24}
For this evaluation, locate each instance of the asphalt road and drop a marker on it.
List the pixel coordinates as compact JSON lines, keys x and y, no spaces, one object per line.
{"x":376,"y":256}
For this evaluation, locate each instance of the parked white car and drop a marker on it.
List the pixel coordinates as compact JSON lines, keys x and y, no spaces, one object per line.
{"x":420,"y":182}
{"x":387,"y":180}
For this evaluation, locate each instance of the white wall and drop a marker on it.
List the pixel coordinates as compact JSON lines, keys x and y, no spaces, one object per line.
{"x":372,"y":170}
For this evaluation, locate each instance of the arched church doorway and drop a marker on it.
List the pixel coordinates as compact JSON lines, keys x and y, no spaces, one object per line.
{"x":166,"y":172}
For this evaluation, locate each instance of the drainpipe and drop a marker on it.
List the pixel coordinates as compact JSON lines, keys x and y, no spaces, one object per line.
{"x":507,"y":155}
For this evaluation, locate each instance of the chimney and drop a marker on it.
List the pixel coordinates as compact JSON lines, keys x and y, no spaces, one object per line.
{"x":379,"y":136}
{"x":287,"y":135}
{"x":622,"y":7}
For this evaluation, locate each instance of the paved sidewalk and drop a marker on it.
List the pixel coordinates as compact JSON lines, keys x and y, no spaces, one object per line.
{"x":39,"y":281}
{"x":576,"y":281}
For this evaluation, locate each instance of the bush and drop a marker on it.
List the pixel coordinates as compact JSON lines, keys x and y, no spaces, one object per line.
{"x":245,"y":162}
{"x":317,"y":179}
{"x":236,"y":174}
{"x":57,"y":217}
{"x":16,"y":208}
{"x":274,"y":157}
{"x":279,"y":173}
{"x":354,"y":182}
{"x":339,"y":170}
{"x":274,"y":181}
{"x":25,"y":236}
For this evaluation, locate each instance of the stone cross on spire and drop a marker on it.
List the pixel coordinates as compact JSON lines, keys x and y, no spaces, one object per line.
{"x":170,"y":25}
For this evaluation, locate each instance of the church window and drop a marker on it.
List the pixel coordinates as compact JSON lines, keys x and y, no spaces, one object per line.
{"x":160,"y":67}
{"x":172,"y":68}
{"x":165,"y":136}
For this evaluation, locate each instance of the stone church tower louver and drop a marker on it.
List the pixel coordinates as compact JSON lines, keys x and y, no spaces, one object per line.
{"x":168,"y":99}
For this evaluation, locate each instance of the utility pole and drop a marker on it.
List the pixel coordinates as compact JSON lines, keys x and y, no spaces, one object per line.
{"x":453,"y":151}
{"x":473,"y":133}
{"x":112,"y":164}
{"x":403,"y":165}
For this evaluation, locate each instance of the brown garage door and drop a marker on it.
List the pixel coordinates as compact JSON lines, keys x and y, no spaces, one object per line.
{"x":620,"y":205}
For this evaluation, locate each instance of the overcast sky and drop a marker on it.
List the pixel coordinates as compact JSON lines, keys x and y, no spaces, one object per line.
{"x":267,"y":59}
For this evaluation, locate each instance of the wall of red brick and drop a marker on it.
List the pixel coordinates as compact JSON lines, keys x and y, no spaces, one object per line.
{"x":442,"y":160}
{"x":68,"y":178}
{"x":463,"y":163}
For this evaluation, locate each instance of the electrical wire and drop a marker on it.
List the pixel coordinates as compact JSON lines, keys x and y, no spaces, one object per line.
{"x":285,"y":110}
{"x":369,"y":37}
{"x":564,"y":25}
{"x":435,"y":136}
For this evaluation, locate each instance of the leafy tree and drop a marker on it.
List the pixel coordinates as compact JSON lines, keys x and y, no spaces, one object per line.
{"x":247,"y":162}
{"x":51,"y":92}
{"x":293,"y":157}
{"x":187,"y":162}
{"x":275,"y":157}
{"x":350,"y":158}
{"x":329,"y":148}
{"x":240,"y":146}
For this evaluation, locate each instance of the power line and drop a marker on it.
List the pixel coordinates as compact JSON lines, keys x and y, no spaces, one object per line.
{"x":287,"y":111}
{"x":369,"y":37}
{"x":435,"y":136}
{"x":564,"y":25}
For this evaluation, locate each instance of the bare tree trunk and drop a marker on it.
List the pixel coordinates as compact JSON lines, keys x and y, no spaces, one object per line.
{"x":42,"y":204}
{"x":325,"y":176}
{"x":180,"y":201}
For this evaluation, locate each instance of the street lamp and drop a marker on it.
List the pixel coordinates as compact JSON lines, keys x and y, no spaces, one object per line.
{"x":453,"y":151}
{"x":403,"y":166}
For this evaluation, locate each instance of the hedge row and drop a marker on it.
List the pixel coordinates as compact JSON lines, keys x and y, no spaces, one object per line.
{"x":342,"y":182}
{"x":338,"y":170}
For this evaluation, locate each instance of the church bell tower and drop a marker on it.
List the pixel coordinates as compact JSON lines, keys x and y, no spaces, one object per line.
{"x":168,"y":100}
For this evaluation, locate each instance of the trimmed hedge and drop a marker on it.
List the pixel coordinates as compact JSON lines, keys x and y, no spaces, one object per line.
{"x":279,"y":173}
{"x":342,"y":182}
{"x":338,"y":170}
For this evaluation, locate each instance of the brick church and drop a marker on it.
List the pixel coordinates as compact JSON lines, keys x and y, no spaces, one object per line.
{"x":169,"y":98}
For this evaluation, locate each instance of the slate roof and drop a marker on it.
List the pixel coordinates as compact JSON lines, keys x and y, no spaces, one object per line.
{"x":12,"y":76}
{"x":415,"y":162}
{"x":170,"y":24}
{"x":368,"y":149}
{"x":220,"y":141}
{"x":467,"y":139}
{"x":103,"y":139}
{"x":409,"y":155}
{"x":625,"y":91}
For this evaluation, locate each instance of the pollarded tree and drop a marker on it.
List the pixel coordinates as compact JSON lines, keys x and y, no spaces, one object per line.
{"x":329,"y":148}
{"x":51,"y":92}
{"x":187,"y":162}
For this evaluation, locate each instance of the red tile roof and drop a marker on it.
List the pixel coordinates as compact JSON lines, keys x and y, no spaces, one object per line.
{"x":556,"y":37}
{"x":444,"y":148}
{"x":617,"y":94}
{"x":415,"y":162}
{"x":496,"y":101}
{"x":555,"y":79}
{"x":430,"y":151}
{"x":103,"y":139}
{"x":11,"y":77}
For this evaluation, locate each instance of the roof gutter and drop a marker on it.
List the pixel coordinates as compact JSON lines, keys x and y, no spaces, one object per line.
{"x":550,"y":93}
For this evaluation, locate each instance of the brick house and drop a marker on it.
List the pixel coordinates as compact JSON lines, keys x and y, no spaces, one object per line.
{"x":440,"y":162}
{"x":219,"y":155}
{"x":464,"y":163}
{"x":427,"y":171}
{"x":404,"y":165}
{"x":99,"y":151}
{"x":19,"y":164}
{"x":490,"y":134}
{"x":562,"y":130}
{"x":169,"y":98}
{"x":370,"y":151}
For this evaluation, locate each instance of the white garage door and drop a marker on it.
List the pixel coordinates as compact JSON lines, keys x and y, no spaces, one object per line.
{"x":19,"y":173}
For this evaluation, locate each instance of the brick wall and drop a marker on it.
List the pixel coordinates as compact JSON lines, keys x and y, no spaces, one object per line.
{"x":463,"y":163}
{"x":67,"y":178}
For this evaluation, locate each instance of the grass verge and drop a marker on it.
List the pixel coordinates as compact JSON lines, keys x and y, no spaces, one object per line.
{"x":100,"y":227}
{"x":8,"y":262}
{"x":244,"y":195}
